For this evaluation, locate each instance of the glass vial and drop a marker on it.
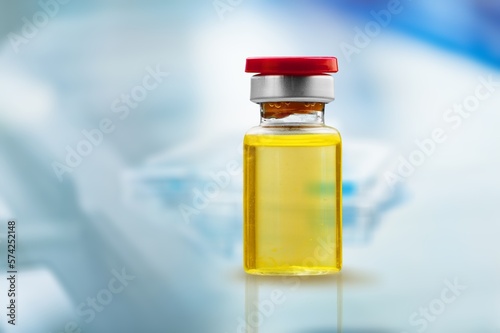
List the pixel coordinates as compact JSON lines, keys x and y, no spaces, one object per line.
{"x":292,"y":170}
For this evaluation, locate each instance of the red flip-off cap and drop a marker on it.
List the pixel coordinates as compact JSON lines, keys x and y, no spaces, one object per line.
{"x":291,"y":65}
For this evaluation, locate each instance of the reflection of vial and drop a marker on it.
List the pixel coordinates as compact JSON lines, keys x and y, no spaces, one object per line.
{"x":292,"y":170}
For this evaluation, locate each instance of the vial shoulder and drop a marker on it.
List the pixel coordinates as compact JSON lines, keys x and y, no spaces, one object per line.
{"x":292,"y":130}
{"x":292,"y":136}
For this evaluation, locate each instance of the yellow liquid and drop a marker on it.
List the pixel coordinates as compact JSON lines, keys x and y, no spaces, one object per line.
{"x":292,"y":204}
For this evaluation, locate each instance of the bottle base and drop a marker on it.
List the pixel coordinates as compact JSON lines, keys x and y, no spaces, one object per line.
{"x":293,"y":270}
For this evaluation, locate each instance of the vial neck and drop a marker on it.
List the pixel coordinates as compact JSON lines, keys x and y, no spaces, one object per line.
{"x":292,"y":114}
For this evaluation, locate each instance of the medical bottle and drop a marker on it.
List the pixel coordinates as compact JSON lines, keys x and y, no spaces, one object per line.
{"x":292,"y":170}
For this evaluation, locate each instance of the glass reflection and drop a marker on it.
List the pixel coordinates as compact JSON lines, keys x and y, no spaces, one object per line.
{"x":292,"y":304}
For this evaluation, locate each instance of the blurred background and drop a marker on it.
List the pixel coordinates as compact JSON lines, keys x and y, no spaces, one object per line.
{"x":121,"y":125}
